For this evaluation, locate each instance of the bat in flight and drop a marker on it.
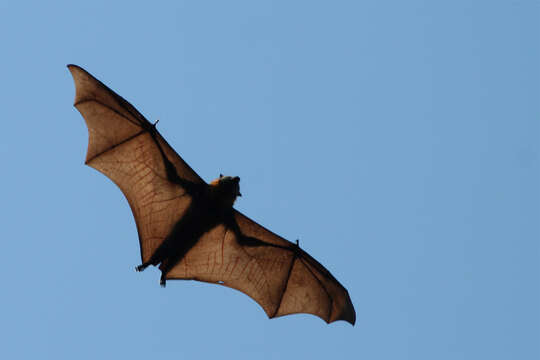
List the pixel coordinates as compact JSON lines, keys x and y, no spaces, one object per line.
{"x":188,"y":227}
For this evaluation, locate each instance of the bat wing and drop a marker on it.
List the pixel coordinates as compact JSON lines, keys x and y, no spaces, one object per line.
{"x":276,"y":273}
{"x":127,"y":148}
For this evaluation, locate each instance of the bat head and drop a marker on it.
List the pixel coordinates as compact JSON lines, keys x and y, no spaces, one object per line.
{"x":227,"y":186}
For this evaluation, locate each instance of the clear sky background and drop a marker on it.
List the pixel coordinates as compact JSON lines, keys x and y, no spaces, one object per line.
{"x":399,"y":140}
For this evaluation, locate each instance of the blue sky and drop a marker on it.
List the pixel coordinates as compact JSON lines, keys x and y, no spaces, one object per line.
{"x":399,"y":140}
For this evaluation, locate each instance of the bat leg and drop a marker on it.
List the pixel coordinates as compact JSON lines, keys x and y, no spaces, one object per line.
{"x":162,"y":280}
{"x":164,"y":270}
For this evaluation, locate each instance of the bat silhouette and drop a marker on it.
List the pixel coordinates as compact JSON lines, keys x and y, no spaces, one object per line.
{"x":190,"y":228}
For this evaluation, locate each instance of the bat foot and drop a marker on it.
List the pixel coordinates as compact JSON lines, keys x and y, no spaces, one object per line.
{"x":162,"y":282}
{"x":141,"y":267}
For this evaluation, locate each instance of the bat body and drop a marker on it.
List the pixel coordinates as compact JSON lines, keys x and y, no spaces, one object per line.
{"x":189,"y":228}
{"x":209,"y":207}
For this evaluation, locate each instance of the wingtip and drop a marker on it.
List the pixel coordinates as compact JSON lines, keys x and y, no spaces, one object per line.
{"x":351,"y":314}
{"x":351,"y":320}
{"x":350,"y":317}
{"x":347,"y":312}
{"x":74,"y":69}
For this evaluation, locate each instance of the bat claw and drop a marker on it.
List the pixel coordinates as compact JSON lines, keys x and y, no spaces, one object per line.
{"x":162,"y":282}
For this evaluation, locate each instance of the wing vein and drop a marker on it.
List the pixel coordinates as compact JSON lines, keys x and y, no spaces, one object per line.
{"x":112,"y":109}
{"x":323,"y":287}
{"x":285,"y":287}
{"x":265,"y":279}
{"x":116,"y":145}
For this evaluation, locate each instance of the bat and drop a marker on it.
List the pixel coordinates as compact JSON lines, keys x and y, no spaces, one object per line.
{"x":189,"y":228}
